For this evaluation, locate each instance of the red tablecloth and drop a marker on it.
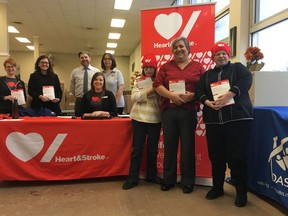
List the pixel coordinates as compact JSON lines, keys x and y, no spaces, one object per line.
{"x":59,"y":148}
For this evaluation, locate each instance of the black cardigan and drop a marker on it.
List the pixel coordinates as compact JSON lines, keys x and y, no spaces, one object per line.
{"x":6,"y":105}
{"x":35,"y":89}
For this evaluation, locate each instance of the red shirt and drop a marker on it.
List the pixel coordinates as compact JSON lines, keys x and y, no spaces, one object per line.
{"x":170,"y":71}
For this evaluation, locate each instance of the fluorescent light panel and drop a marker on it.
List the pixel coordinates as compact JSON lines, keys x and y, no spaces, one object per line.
{"x":110,"y":51}
{"x":22,"y":40}
{"x":118,"y":23}
{"x":30,"y":47}
{"x":114,"y":36}
{"x":111,"y":45}
{"x":123,"y":4}
{"x":12,"y":29}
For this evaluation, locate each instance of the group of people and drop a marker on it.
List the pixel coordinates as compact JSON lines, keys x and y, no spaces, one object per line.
{"x":172,"y":99}
{"x":97,"y":93}
{"x":167,"y":99}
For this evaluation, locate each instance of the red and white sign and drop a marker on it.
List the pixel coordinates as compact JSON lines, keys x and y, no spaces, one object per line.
{"x":158,"y":29}
{"x":195,"y":22}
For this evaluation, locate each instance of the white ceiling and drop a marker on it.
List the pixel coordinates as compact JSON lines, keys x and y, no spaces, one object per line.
{"x":68,"y":26}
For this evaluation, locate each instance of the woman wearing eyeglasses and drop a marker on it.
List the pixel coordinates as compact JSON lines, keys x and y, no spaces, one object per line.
{"x":114,"y":79}
{"x":11,"y":87}
{"x":44,"y":86}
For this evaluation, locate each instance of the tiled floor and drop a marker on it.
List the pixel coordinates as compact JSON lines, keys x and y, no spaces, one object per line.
{"x":101,"y":197}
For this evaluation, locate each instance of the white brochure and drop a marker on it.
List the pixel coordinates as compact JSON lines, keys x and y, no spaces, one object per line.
{"x":177,"y":86}
{"x":49,"y":92}
{"x":219,"y":88}
{"x":19,"y":94}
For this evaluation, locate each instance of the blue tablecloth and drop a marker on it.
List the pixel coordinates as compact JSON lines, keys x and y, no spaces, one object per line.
{"x":268,"y":153}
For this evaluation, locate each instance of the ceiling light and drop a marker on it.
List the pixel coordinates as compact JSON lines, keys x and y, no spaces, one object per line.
{"x":118,"y":23}
{"x":12,"y":29}
{"x":30,"y":47}
{"x":111,"y":45}
{"x":122,"y":4}
{"x":110,"y":51}
{"x":22,"y":40}
{"x":114,"y":36}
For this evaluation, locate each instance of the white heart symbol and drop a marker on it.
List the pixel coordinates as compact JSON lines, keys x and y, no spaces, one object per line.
{"x":206,"y":60}
{"x":199,"y":55}
{"x":167,"y":57}
{"x":202,"y":126}
{"x":24,"y":147}
{"x":168,"y":25}
{"x":199,"y":113}
{"x":157,"y":57}
{"x":199,"y":132}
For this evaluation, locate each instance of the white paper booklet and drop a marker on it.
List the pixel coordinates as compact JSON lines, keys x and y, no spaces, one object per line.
{"x":144,"y":82}
{"x":49,"y":92}
{"x":19,"y":94}
{"x":177,"y":86}
{"x":219,"y":88}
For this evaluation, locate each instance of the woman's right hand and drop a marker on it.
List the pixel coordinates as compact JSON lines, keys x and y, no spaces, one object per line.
{"x":176,"y":99}
{"x":212,"y":104}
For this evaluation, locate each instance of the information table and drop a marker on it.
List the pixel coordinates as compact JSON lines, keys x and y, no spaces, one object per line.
{"x":52,"y":148}
{"x":268,"y":153}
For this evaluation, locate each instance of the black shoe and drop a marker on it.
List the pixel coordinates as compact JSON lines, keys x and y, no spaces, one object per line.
{"x":129,"y":184}
{"x":187,"y":189}
{"x":166,"y":187}
{"x":241,"y":200}
{"x":156,"y":180}
{"x":214,"y":193}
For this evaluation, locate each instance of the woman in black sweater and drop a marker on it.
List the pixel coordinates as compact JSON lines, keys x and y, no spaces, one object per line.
{"x":42,"y":79}
{"x":98,"y":101}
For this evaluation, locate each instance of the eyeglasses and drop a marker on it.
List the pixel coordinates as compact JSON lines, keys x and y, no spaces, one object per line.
{"x":9,"y":66}
{"x":44,"y":62}
{"x":107,"y":59}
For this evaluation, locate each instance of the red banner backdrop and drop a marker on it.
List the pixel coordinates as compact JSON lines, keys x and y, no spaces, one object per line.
{"x":158,"y":29}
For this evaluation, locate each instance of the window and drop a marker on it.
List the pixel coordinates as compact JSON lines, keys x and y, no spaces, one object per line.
{"x":267,"y":8}
{"x":221,"y":4}
{"x":273,"y":43}
{"x":222,"y":28}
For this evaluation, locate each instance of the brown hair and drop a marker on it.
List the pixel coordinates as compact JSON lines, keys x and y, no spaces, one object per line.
{"x":9,"y":61}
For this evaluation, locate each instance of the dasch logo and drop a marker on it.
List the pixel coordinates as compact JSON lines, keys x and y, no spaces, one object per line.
{"x":278,"y":160}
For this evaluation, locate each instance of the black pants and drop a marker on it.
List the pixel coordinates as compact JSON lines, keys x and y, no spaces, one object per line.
{"x":142,"y":133}
{"x":179,"y":123}
{"x":227,"y":143}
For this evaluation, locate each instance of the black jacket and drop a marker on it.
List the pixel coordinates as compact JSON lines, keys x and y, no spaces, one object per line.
{"x":35,"y":88}
{"x":6,"y":105}
{"x":240,"y":79}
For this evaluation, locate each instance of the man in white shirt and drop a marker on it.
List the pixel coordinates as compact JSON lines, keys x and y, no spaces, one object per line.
{"x":77,"y":79}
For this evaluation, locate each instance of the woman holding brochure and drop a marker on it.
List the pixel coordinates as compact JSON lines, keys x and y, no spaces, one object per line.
{"x":227,"y":114}
{"x":176,"y":82}
{"x":11,"y":87}
{"x":44,"y":86}
{"x":146,"y":124}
